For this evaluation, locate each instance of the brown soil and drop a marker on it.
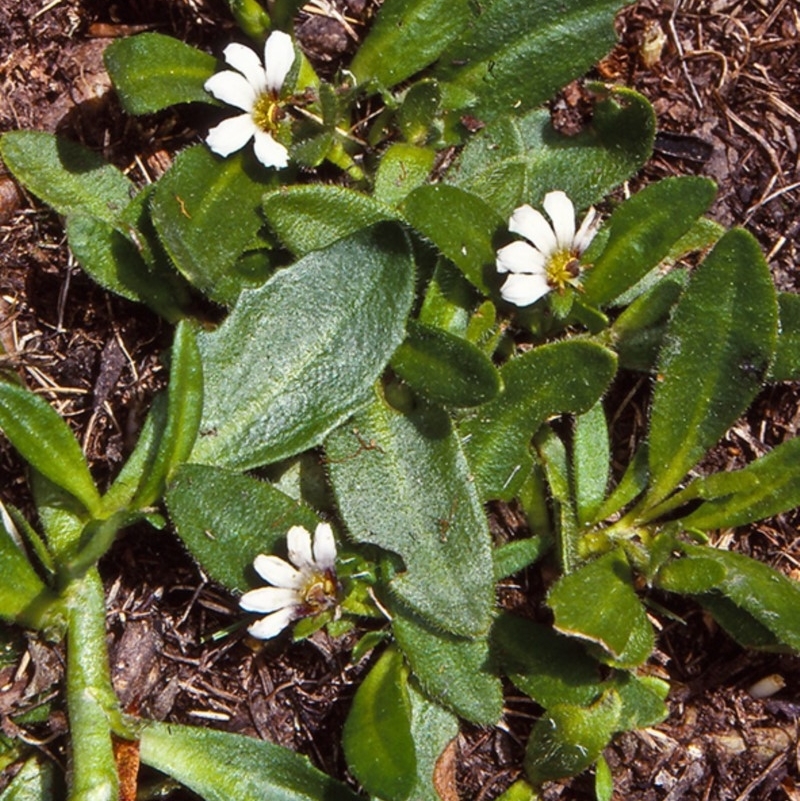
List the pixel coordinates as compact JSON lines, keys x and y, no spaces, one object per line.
{"x":725,"y":88}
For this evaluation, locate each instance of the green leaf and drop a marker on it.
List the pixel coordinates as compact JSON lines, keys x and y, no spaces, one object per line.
{"x":66,"y":175}
{"x":46,"y":443}
{"x":33,"y":782}
{"x":519,"y":791}
{"x":445,"y":368}
{"x":115,"y":262}
{"x":631,"y":485}
{"x":151,"y":72}
{"x":299,"y":355}
{"x":455,"y":672}
{"x":402,"y":483}
{"x":615,"y":619}
{"x":514,"y":161}
{"x":603,"y":781}
{"x":591,"y":454}
{"x":642,"y":699}
{"x":206,"y":212}
{"x":184,"y":409}
{"x":460,"y":224}
{"x":786,"y":366}
{"x":717,"y":351}
{"x":568,"y":738}
{"x":206,"y":506}
{"x":23,"y":595}
{"x":377,"y":737}
{"x":565,"y":376}
{"x":402,"y":169}
{"x":449,"y":300}
{"x":514,"y":556}
{"x":90,"y":697}
{"x":755,"y":589}
{"x":520,"y":53}
{"x":766,"y":487}
{"x":407,"y":36}
{"x":416,"y":117}
{"x":312,"y":217}
{"x":545,"y":665}
{"x":220,"y":766}
{"x":641,"y":232}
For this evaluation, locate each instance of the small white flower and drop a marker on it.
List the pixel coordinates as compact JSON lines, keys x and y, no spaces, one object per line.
{"x":255,"y":89}
{"x":550,"y":258}
{"x":307,"y":586}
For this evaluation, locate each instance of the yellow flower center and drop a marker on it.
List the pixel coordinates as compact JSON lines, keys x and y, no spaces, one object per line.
{"x":267,"y":112}
{"x":320,"y":593}
{"x":562,"y":269}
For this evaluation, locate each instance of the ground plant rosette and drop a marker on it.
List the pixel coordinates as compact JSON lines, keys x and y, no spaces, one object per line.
{"x":418,"y":313}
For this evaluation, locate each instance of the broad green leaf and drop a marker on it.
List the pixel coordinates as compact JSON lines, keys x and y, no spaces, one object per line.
{"x":641,"y":232}
{"x":567,"y":739}
{"x":220,"y":766}
{"x":417,"y":116}
{"x":739,"y":624}
{"x":46,"y":443}
{"x":114,"y":261}
{"x":455,"y":672}
{"x":717,"y":351}
{"x":566,"y":376}
{"x":298,"y":356}
{"x":445,"y":368}
{"x":545,"y":665}
{"x":226,"y":519}
{"x":23,"y":595}
{"x":184,"y":409}
{"x":90,"y":696}
{"x":519,"y":53}
{"x":642,"y":699}
{"x":786,"y":366}
{"x":757,"y":590}
{"x":402,"y":483}
{"x":61,"y":516}
{"x":33,"y":782}
{"x":151,"y":72}
{"x":407,"y":36}
{"x":207,"y":212}
{"x":591,"y":454}
{"x":638,"y":333}
{"x":690,"y":576}
{"x":402,"y":169}
{"x":314,"y":216}
{"x":449,"y":300}
{"x":432,"y":729}
{"x":461,"y":225}
{"x":514,"y":161}
{"x":519,"y":791}
{"x":66,"y":175}
{"x":768,"y":486}
{"x":377,"y":740}
{"x":615,"y":619}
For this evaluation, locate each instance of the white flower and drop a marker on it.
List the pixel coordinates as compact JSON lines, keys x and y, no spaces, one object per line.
{"x":255,"y":89}
{"x":307,"y":586}
{"x":550,"y":258}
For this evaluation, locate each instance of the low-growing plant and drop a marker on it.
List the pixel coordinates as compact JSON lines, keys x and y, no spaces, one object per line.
{"x":374,"y":369}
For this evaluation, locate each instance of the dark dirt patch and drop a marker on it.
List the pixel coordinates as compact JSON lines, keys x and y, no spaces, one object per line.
{"x":725,"y":89}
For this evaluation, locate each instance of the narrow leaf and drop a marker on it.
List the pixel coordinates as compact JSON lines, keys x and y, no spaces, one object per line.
{"x":591,"y":455}
{"x":377,"y":733}
{"x":33,"y":782}
{"x":786,"y":366}
{"x":152,"y":71}
{"x":712,"y":364}
{"x":287,"y":350}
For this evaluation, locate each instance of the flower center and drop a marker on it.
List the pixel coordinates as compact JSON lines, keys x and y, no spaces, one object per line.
{"x":320,"y":593}
{"x":562,"y":269}
{"x":267,"y":112}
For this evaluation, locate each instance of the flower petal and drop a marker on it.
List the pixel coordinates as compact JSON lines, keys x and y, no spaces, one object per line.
{"x":531,"y":224}
{"x":232,"y":88}
{"x":298,"y":542}
{"x":246,"y":60}
{"x":324,"y":547}
{"x":231,"y":134}
{"x":278,"y":572}
{"x":519,"y":257}
{"x":269,"y":599}
{"x":278,"y":59}
{"x":522,"y":290}
{"x":587,"y":231}
{"x":269,"y":152}
{"x":561,"y":211}
{"x":270,"y":626}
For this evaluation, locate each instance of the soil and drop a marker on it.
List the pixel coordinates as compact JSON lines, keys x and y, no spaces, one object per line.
{"x":724,"y":78}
